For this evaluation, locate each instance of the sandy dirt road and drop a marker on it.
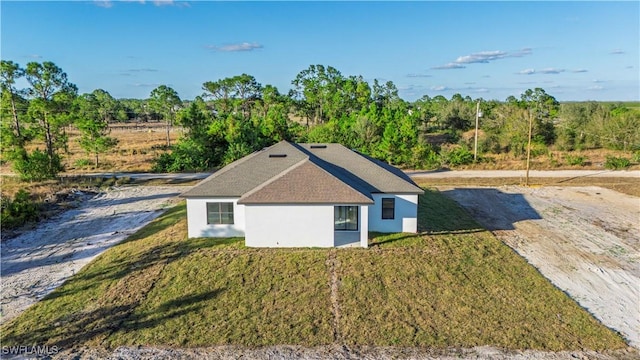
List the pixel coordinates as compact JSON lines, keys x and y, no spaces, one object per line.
{"x":586,"y":240}
{"x":36,"y":262}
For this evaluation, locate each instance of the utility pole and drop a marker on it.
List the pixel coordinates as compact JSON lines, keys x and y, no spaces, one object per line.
{"x":529,"y":147}
{"x":475,"y":143}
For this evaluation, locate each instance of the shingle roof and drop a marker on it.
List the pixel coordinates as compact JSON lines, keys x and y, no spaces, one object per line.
{"x":382,"y":177}
{"x":244,"y":175}
{"x":306,"y":183}
{"x":304,"y":173}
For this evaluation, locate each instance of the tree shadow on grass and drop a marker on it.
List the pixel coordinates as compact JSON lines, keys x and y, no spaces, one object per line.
{"x":98,"y":324}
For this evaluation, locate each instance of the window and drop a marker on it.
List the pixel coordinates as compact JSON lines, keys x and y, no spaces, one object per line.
{"x":388,"y":208}
{"x":345,"y":218}
{"x":220,"y":213}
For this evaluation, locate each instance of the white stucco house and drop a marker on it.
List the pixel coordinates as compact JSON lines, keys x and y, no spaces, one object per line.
{"x":303,"y":195}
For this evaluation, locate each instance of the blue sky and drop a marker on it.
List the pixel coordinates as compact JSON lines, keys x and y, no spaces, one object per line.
{"x":490,"y":50}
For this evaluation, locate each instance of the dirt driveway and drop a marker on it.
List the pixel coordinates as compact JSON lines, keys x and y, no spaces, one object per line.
{"x":586,"y":240}
{"x":38,"y":261}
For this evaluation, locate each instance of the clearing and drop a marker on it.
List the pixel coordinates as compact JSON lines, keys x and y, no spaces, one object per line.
{"x":37,"y":261}
{"x":451,"y":288}
{"x":586,"y":240}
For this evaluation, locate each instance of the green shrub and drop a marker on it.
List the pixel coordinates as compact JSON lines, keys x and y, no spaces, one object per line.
{"x":575,"y":160}
{"x":423,"y":156}
{"x":187,"y":155}
{"x":614,"y":163}
{"x":37,"y":166}
{"x":457,"y":155}
{"x":18,"y":211}
{"x":636,"y":157}
{"x":82,"y":163}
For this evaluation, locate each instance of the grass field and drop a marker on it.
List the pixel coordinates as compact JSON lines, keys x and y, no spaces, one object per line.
{"x":453,"y":285}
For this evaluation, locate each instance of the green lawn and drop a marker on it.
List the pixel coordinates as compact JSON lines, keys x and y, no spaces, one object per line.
{"x":454,"y":285}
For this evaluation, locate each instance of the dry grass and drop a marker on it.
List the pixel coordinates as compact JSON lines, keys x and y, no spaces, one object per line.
{"x":453,"y":285}
{"x":139,"y":145}
{"x":552,"y":160}
{"x":136,"y":150}
{"x":629,"y":186}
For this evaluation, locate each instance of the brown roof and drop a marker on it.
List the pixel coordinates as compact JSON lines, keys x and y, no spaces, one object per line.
{"x":304,"y":173}
{"x":244,"y":175}
{"x":305,"y":183}
{"x":380,"y":176}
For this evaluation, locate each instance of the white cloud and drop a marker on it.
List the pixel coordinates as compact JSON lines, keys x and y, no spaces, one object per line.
{"x":154,"y":2}
{"x":449,"y":66}
{"x":145,"y":85}
{"x":143,"y":70}
{"x":551,"y":71}
{"x":617,"y":52}
{"x":483,"y":57}
{"x":34,"y":56}
{"x":522,"y":52}
{"x":595,"y":88}
{"x":245,"y":46}
{"x":103,"y":3}
{"x":439,"y":88}
{"x":527,"y":72}
{"x":412,"y":75}
{"x":580,"y":71}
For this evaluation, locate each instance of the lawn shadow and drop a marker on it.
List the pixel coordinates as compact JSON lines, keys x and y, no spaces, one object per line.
{"x":100,"y":323}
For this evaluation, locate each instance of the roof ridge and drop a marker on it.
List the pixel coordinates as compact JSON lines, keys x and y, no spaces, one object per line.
{"x":235,"y":163}
{"x":378,"y":163}
{"x":313,"y":161}
{"x":274,"y":178}
{"x":338,"y":178}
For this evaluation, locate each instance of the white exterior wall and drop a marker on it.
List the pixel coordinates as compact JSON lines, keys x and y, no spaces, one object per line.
{"x":197,"y":219}
{"x":364,"y":226}
{"x":289,"y":225}
{"x":406,"y":214}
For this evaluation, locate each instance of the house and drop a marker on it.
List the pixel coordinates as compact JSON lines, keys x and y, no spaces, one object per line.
{"x":303,"y":195}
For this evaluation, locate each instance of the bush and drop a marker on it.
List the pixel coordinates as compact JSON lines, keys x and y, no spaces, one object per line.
{"x":456,"y":156}
{"x":423,"y":156}
{"x":614,"y":163}
{"x":187,"y":155}
{"x":575,"y":160}
{"x":37,"y":166}
{"x":82,"y":163}
{"x":18,"y":211}
{"x":636,"y":157}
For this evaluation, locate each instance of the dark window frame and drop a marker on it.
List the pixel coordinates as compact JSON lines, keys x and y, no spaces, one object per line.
{"x":337,"y":209}
{"x":389,"y":209}
{"x":215,"y":210}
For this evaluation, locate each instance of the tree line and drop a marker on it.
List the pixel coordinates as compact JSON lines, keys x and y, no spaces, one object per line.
{"x":237,"y":115}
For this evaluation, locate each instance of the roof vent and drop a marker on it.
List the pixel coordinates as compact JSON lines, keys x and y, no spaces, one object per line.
{"x":277,"y":155}
{"x":318,"y":146}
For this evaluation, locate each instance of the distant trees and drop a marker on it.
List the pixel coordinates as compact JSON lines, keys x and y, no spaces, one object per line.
{"x":237,"y":115}
{"x":93,"y":112}
{"x":47,"y":103}
{"x":166,"y":102}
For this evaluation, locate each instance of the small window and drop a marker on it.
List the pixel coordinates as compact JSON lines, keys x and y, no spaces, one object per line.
{"x":345,"y":218}
{"x":220,"y":213}
{"x":388,"y":208}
